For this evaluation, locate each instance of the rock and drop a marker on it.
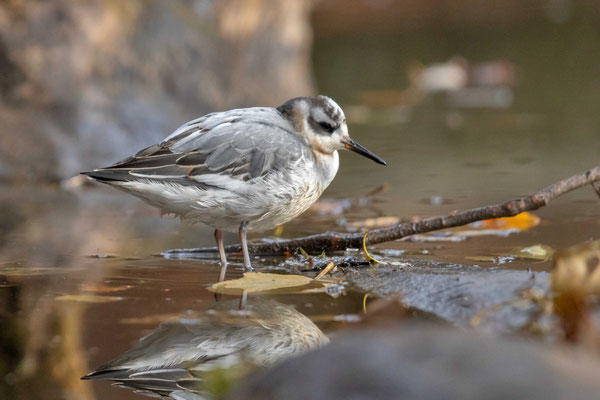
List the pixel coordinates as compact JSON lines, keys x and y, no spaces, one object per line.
{"x":425,"y":362}
{"x":85,"y":84}
{"x":454,"y":292}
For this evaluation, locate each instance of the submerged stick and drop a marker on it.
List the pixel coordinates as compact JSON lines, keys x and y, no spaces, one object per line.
{"x":333,"y":241}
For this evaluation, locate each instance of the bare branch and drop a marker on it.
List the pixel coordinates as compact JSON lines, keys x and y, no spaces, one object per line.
{"x":334,"y":241}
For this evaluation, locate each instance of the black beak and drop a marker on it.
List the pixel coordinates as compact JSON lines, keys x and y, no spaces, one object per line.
{"x":353,"y":145}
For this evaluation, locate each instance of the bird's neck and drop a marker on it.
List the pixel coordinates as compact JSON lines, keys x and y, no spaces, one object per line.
{"x":327,"y":166}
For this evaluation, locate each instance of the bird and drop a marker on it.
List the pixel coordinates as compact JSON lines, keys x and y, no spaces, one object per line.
{"x":246,"y":169}
{"x":180,"y":357}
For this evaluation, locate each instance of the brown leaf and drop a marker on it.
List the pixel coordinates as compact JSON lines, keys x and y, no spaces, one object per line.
{"x":256,"y":282}
{"x":104,"y":288}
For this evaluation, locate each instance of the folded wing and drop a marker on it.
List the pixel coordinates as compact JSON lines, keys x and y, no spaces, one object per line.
{"x":241,"y":144}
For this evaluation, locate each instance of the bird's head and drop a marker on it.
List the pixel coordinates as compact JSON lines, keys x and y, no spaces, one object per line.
{"x":322,"y":123}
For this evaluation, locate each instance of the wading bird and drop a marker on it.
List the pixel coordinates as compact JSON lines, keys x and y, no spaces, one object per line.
{"x":243,"y":169}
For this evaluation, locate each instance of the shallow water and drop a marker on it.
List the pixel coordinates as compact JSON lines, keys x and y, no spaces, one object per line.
{"x":104,"y":243}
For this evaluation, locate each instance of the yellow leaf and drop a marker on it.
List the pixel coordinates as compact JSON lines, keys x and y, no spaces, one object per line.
{"x":496,"y":226}
{"x":255,"y":282}
{"x":278,"y":231}
{"x":535,"y":252}
{"x":481,"y":258}
{"x":522,"y":222}
{"x":326,"y":270}
{"x":88,"y":298}
{"x":373,"y":260}
{"x":367,"y":255}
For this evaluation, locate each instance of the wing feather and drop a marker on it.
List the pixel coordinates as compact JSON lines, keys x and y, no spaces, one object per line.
{"x":241,"y":144}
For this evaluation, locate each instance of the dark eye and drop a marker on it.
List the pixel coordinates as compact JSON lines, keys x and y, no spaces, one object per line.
{"x":327,"y":126}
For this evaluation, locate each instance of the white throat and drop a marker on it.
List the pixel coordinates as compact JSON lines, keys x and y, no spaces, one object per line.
{"x":327,"y":167}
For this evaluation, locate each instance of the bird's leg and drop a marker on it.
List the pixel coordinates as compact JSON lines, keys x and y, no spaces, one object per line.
{"x":244,"y":242}
{"x":219,"y":239}
{"x":243,"y":300}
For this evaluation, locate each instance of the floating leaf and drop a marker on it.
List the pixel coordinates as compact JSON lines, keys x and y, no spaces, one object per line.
{"x":481,"y":258}
{"x":535,"y":252}
{"x":255,"y":282}
{"x":492,"y":259}
{"x":522,"y":222}
{"x":88,"y":298}
{"x":490,"y":227}
{"x":104,"y":288}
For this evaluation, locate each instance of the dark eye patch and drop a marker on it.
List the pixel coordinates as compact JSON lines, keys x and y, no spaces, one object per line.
{"x":327,"y":126}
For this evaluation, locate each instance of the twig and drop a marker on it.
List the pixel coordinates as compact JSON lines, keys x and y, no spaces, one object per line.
{"x":334,"y":241}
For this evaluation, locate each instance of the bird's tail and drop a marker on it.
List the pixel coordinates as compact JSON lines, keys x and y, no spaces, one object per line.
{"x":108,"y":175}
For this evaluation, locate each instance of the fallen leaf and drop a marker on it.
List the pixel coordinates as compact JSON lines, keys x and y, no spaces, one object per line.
{"x":104,"y":288}
{"x":308,"y":258}
{"x":255,"y":282}
{"x":278,"y":231}
{"x":535,"y":252}
{"x":522,"y":222}
{"x":367,"y":255}
{"x":492,"y":259}
{"x":490,"y":227}
{"x":88,"y":298}
{"x":326,"y":270}
{"x":373,"y":260}
{"x":481,"y":258}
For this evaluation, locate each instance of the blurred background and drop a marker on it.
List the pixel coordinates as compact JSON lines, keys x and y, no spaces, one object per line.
{"x":469,"y":101}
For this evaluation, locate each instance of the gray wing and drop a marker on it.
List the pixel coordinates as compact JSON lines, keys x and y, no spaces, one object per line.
{"x":242,"y":144}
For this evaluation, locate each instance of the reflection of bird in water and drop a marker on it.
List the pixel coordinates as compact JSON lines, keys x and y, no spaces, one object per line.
{"x":238,"y":170}
{"x":177,"y":359}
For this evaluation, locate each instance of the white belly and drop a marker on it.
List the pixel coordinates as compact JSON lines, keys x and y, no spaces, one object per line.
{"x":265,"y":203}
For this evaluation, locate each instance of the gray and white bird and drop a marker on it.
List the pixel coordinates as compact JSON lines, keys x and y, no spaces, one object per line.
{"x":244,"y":169}
{"x":177,"y":358}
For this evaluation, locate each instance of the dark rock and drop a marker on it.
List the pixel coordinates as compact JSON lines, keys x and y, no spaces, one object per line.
{"x":425,"y":362}
{"x":455,"y":292}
